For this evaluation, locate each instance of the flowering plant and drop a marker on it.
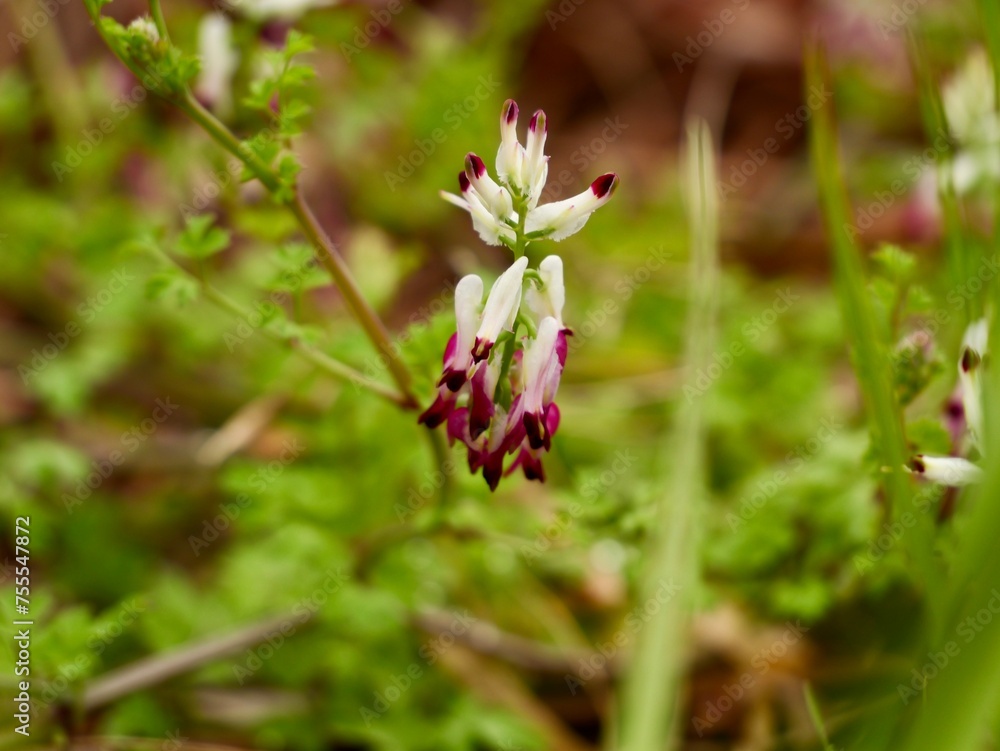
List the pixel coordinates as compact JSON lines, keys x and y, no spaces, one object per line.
{"x":497,"y":391}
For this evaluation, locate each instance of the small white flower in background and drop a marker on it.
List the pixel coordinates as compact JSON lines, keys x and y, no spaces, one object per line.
{"x":953,"y":470}
{"x":277,"y":10}
{"x":970,"y":107}
{"x":218,"y":63}
{"x":145,"y":26}
{"x":497,"y":207}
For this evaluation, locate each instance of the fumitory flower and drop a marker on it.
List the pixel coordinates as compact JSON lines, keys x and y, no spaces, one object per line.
{"x":506,"y":211}
{"x":953,"y":470}
{"x":503,"y":364}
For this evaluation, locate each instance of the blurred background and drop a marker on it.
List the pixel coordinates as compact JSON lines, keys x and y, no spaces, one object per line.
{"x":229,"y":548}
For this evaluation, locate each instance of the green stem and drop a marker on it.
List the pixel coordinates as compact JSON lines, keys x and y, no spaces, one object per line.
{"x":225,"y":138}
{"x":325,"y":250}
{"x":652,"y":693}
{"x":156,"y":10}
{"x":366,"y":315}
{"x":520,"y":241}
{"x":333,"y":367}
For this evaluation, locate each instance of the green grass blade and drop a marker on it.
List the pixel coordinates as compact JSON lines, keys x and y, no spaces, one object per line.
{"x":652,"y":693}
{"x":870,"y":356}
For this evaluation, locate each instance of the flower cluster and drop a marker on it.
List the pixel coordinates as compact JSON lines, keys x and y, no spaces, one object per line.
{"x":954,"y":470}
{"x":507,"y":213}
{"x":497,"y":391}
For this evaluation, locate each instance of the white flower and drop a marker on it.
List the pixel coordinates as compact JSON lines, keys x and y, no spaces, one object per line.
{"x":970,"y":372}
{"x":969,"y":100}
{"x":950,"y":470}
{"x":500,"y":309}
{"x":145,"y":26}
{"x":947,"y":470}
{"x":547,"y":300}
{"x":557,"y":221}
{"x":522,"y":172}
{"x":218,"y":63}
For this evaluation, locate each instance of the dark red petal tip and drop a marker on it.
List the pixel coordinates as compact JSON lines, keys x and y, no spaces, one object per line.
{"x":474,"y":165}
{"x":917,"y":464}
{"x":463,"y":182}
{"x":970,"y":359}
{"x":453,"y":379}
{"x":510,"y":110}
{"x":604,"y":185}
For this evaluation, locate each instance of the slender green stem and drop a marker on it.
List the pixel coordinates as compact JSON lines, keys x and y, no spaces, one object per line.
{"x":652,"y":693}
{"x":520,"y":241}
{"x":366,"y":315}
{"x":333,"y":367}
{"x":156,"y":10}
{"x":325,"y":250}
{"x":225,"y":138}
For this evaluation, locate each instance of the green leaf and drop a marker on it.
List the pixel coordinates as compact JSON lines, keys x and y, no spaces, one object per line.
{"x":172,"y":286}
{"x":200,"y":239}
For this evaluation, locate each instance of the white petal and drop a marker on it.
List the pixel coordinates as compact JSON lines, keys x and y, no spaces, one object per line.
{"x":510,"y":156}
{"x":468,"y":298}
{"x":539,"y":356}
{"x":549,"y":300}
{"x":503,"y":302}
{"x":970,"y":370}
{"x":535,"y":168}
{"x":494,"y":197}
{"x":567,"y":217}
{"x":947,"y":470}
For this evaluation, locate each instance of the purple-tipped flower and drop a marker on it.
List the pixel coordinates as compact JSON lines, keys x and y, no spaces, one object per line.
{"x":500,"y":310}
{"x":542,"y":370}
{"x":493,"y":230}
{"x":557,"y":221}
{"x":498,"y":206}
{"x":954,"y":470}
{"x":499,"y":400}
{"x":497,"y":390}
